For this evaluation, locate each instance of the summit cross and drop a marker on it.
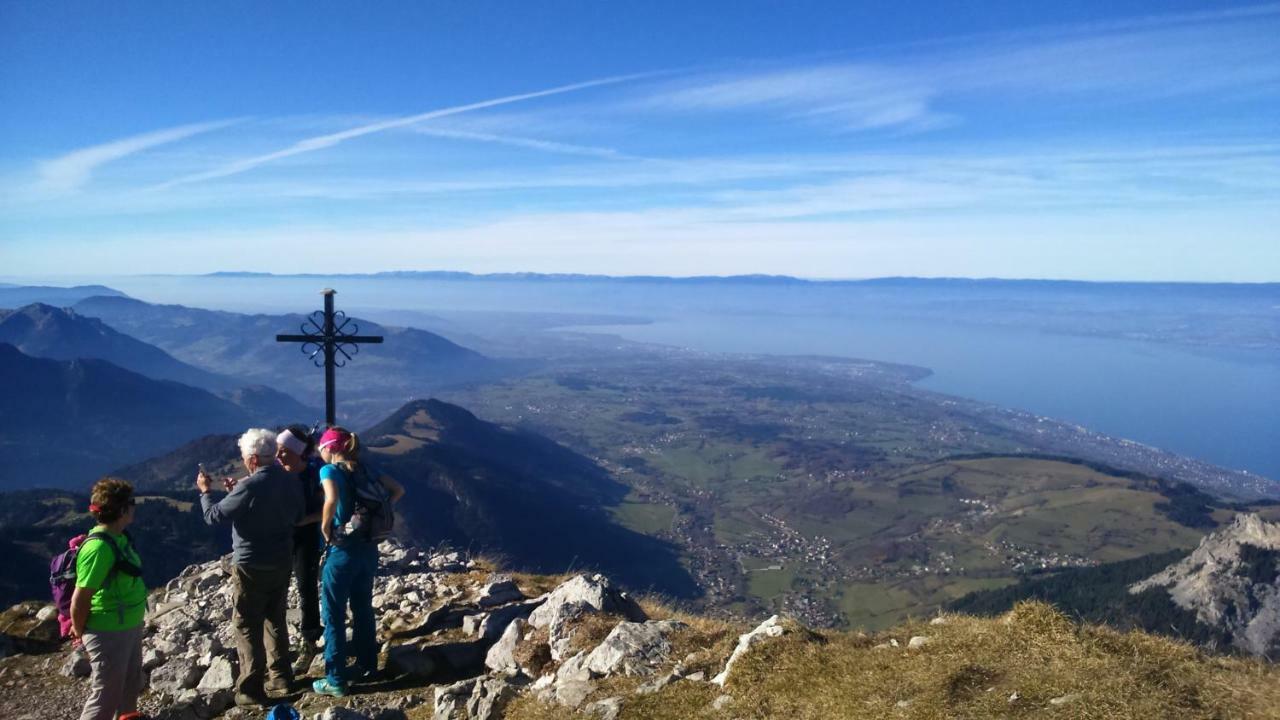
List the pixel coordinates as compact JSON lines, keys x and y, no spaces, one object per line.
{"x":326,"y":331}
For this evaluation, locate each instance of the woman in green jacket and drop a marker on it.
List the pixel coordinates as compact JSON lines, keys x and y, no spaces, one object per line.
{"x":108,"y":604}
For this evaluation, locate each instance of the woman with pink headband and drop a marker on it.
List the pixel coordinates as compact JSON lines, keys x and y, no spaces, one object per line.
{"x":349,"y":565}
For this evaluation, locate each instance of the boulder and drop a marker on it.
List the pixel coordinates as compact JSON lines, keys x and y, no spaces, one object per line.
{"x":607,"y":709}
{"x":559,"y":630}
{"x":572,"y":683}
{"x":496,"y":622}
{"x":633,"y":648}
{"x":770,"y":628}
{"x":220,"y":676}
{"x":501,"y":657}
{"x":174,"y":676}
{"x":499,"y":591}
{"x":46,"y":613}
{"x":489,"y":699}
{"x":76,"y":665}
{"x":451,"y":700}
{"x":596,"y":592}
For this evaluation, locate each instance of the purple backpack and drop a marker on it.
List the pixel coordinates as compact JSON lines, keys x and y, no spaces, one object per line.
{"x":62,"y":580}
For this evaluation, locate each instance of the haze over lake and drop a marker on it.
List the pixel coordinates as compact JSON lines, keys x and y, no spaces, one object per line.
{"x":1194,"y":369}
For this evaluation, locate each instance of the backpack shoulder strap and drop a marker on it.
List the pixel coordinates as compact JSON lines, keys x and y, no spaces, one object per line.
{"x":116,"y":554}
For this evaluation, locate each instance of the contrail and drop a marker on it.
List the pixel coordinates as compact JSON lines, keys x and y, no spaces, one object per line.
{"x":323,"y":141}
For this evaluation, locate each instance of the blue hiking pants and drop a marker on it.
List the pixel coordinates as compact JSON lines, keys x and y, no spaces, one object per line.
{"x":347,"y":577}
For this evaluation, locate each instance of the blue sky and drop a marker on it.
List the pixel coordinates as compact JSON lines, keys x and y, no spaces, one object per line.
{"x":1093,"y":140}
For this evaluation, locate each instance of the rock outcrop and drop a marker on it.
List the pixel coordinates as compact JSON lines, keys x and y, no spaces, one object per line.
{"x":1231,"y":582}
{"x":454,"y":636}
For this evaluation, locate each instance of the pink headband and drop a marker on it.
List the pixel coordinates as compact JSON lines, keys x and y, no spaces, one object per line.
{"x":332,"y":438}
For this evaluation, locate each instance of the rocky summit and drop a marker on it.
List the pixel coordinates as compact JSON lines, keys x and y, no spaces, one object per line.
{"x":461,"y":640}
{"x":1231,"y":582}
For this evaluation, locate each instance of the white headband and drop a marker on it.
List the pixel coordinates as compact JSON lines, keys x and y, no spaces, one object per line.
{"x":291,"y":441}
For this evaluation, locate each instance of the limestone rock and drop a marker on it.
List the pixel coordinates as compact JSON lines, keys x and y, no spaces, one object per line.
{"x":607,"y":709}
{"x":174,"y":676}
{"x":501,"y":657}
{"x":633,"y":648}
{"x":489,"y":698}
{"x":1231,"y":582}
{"x":46,"y":613}
{"x":220,"y":676}
{"x":499,"y":591}
{"x":596,"y":591}
{"x":918,"y":642}
{"x":451,"y":700}
{"x":496,"y":622}
{"x":76,"y":665}
{"x":770,"y":628}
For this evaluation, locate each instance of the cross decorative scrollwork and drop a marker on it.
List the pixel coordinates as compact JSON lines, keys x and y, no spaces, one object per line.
{"x":326,"y":335}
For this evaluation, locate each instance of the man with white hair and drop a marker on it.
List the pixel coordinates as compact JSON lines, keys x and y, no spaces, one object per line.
{"x":262,"y":509}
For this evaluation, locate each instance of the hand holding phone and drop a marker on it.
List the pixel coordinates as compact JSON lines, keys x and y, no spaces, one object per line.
{"x":202,"y":478}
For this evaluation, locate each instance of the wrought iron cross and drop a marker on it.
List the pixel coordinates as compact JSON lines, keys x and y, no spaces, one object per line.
{"x":326,"y":331}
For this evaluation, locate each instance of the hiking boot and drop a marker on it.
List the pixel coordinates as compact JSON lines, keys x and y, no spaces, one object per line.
{"x":252,"y":699}
{"x":324,"y":687}
{"x":280,"y":686}
{"x":303,"y":657}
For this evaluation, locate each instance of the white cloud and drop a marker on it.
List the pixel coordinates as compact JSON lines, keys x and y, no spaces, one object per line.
{"x":71,"y":171}
{"x":524,"y":142}
{"x":848,"y":96}
{"x":321,"y":142}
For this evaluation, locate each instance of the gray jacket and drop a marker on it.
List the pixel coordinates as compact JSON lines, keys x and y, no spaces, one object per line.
{"x":263,"y":509}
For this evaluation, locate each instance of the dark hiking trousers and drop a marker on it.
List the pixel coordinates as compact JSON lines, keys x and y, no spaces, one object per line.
{"x":306,"y":573}
{"x":258,"y":616}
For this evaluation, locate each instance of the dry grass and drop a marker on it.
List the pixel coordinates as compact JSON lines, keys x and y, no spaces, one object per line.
{"x":534,"y":585}
{"x":971,"y":668}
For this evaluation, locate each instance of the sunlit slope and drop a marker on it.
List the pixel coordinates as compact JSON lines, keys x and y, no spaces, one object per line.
{"x":882,"y":548}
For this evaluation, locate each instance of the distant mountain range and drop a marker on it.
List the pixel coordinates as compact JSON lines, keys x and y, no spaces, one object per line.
{"x":410,"y":363}
{"x":64,"y":422}
{"x":766,"y":279}
{"x":15,"y":296}
{"x":45,"y":331}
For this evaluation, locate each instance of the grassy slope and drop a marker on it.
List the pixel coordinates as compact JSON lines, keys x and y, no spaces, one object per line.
{"x":1014,"y":666}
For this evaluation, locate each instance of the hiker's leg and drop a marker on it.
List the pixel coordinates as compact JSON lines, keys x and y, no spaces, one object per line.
{"x":107,"y":655}
{"x":363,"y":630}
{"x":133,"y":671}
{"x":246,"y":618}
{"x":306,"y":573}
{"x":276,"y":637}
{"x":334,"y":591}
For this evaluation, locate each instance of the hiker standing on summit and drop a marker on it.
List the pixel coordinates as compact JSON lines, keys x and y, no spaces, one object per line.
{"x":296,"y":453}
{"x":109,"y":603}
{"x":263,"y":509}
{"x":358,"y":512}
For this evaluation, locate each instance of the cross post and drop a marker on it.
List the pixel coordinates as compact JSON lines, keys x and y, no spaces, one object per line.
{"x":325,"y":331}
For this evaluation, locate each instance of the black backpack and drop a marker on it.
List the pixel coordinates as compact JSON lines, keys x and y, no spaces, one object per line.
{"x":373,"y":517}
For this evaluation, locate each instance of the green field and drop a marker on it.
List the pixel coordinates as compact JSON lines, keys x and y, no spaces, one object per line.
{"x":644,"y":517}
